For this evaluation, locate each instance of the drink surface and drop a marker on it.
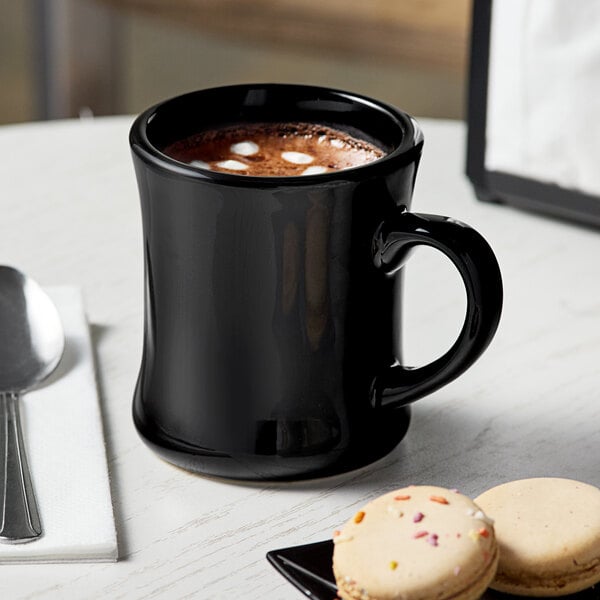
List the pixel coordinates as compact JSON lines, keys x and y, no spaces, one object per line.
{"x":274,"y":150}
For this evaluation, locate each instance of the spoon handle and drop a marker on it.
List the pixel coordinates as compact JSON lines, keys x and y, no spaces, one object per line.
{"x":19,"y":516}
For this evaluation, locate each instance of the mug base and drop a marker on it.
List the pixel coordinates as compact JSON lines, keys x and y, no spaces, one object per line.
{"x":374,"y":443}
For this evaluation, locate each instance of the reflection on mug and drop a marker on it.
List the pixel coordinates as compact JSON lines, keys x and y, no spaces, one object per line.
{"x":316,"y":271}
{"x":290,"y":267}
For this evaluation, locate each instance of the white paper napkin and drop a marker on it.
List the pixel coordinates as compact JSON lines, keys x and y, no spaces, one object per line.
{"x":543,"y":119}
{"x":62,"y":427}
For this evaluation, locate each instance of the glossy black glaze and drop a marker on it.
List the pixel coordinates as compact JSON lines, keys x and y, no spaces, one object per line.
{"x":479,"y":269}
{"x":272,"y":303}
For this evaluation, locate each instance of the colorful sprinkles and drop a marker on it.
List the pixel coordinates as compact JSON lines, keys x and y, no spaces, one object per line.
{"x":393,"y":565}
{"x":395,"y":511}
{"x":418,"y":517}
{"x":359,"y":516}
{"x":339,"y":536}
{"x":420,"y":534}
{"x":402,"y":497}
{"x":474,"y":535}
{"x":481,"y":516}
{"x":439,"y":499}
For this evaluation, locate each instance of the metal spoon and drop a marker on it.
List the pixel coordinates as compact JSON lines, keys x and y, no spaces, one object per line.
{"x":31,"y":345}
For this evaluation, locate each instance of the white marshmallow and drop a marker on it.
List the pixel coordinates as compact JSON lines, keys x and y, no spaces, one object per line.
{"x":232,"y":165}
{"x":337,"y":143}
{"x":297,"y":158}
{"x":314,"y":170}
{"x":200,"y":163}
{"x":246,"y":148}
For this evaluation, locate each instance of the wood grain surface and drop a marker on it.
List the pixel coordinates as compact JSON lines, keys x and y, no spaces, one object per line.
{"x":427,"y":33}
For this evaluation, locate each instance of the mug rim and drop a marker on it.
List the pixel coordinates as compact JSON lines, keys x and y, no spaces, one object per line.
{"x":403,"y":153}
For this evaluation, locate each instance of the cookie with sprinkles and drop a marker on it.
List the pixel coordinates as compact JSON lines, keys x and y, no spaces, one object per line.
{"x":416,"y":543}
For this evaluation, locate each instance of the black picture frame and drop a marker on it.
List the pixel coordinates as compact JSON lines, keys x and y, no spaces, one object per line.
{"x":506,"y":188}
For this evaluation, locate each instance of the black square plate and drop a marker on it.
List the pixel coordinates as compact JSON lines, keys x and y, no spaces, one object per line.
{"x":309,"y":569}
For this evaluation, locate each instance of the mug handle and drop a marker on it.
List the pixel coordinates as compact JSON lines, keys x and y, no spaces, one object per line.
{"x":471,"y":254}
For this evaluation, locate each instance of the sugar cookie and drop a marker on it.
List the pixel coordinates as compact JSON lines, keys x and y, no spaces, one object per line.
{"x":416,"y":543}
{"x":548,"y":533}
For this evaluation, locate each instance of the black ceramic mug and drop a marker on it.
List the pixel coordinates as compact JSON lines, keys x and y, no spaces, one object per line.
{"x":272,"y":325}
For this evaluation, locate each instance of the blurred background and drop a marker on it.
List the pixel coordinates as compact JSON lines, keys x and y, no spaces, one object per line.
{"x":66,"y":58}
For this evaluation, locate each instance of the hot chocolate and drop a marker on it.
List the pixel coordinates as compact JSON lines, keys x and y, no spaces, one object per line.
{"x":274,"y":150}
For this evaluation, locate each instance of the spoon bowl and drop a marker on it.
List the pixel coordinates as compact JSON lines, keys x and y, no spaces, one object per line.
{"x":32,"y":343}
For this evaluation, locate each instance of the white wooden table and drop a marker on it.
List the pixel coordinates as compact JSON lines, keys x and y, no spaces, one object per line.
{"x":530,"y":406}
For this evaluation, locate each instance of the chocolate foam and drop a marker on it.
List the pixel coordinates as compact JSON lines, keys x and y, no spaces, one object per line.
{"x":274,"y":150}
